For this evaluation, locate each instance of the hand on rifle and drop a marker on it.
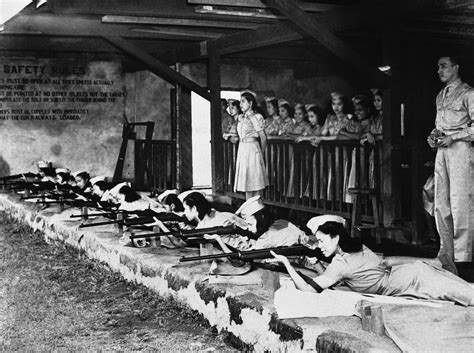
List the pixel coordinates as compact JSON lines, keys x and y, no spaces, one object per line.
{"x":278,"y":258}
{"x":212,"y":237}
{"x":159,"y":224}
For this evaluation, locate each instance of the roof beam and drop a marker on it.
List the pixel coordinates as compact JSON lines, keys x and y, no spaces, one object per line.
{"x":74,"y":25}
{"x":167,"y":21}
{"x":328,"y":39}
{"x":157,"y":67}
{"x":262,"y":36}
{"x":306,"y":6}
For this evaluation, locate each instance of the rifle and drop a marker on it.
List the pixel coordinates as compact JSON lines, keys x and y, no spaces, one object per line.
{"x":250,"y":255}
{"x":36,"y":185}
{"x":50,"y":195}
{"x":163,"y":217}
{"x":73,"y":203}
{"x":18,"y":176}
{"x":188,"y":234}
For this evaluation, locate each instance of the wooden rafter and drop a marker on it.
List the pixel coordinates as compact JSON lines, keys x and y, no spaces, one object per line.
{"x":168,"y":21}
{"x":264,"y":36}
{"x":307,"y":6}
{"x":327,"y":38}
{"x":74,"y":25}
{"x":156,"y":66}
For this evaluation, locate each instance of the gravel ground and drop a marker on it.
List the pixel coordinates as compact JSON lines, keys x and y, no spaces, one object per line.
{"x":54,"y":298}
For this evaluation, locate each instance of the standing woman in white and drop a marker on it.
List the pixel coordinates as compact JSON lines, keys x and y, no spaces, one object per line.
{"x":250,"y":173}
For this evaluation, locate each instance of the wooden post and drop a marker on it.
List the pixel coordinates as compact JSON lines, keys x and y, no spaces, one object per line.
{"x":181,"y":106}
{"x":61,"y":203}
{"x":391,"y":130}
{"x":155,"y":242}
{"x":214,"y":84}
{"x":84,"y":213}
{"x":120,"y":224}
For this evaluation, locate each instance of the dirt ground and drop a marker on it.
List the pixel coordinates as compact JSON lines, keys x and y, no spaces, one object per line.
{"x":54,"y":298}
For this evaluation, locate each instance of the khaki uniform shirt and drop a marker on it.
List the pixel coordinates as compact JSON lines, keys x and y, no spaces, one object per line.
{"x":455,"y":110}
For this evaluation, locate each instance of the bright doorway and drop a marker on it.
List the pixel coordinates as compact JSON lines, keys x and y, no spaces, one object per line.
{"x":201,"y":135}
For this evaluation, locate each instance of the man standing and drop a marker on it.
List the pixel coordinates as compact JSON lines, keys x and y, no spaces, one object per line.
{"x":454,"y":176}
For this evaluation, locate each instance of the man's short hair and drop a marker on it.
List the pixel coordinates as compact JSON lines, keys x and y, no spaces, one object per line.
{"x":453,"y":59}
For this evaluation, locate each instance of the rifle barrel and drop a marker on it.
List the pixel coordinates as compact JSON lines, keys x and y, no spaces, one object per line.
{"x":194,"y":233}
{"x":96,"y":224}
{"x":92,"y":214}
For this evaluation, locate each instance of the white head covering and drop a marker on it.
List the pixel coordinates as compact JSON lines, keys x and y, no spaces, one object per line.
{"x":269,"y":99}
{"x":249,"y":91}
{"x":315,"y":222}
{"x":183,"y":195}
{"x":75,"y":174}
{"x":95,"y":179}
{"x":163,"y":195}
{"x":44,"y":164}
{"x":250,"y":207}
{"x":62,"y":170}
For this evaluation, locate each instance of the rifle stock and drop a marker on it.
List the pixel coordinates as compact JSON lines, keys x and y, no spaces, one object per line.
{"x":295,"y":250}
{"x":166,"y":218}
{"x":186,"y":234}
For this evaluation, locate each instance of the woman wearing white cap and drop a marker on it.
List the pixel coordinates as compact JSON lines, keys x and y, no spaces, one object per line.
{"x":198,"y":209}
{"x":268,"y":232}
{"x":130,"y":200}
{"x":250,"y":173}
{"x":356,"y":266}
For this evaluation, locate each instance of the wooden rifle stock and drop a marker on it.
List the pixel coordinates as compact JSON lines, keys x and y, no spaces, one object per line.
{"x":188,"y":234}
{"x":164,"y":217}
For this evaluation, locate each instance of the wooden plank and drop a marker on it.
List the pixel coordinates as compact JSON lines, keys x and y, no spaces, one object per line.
{"x":157,"y":67}
{"x":307,"y":6}
{"x":168,"y":21}
{"x":266,"y":35}
{"x":214,"y":83}
{"x":327,"y":38}
{"x":77,"y":25}
{"x":248,"y":13}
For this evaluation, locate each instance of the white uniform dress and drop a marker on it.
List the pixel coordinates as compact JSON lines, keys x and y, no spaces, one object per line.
{"x":250,"y":173}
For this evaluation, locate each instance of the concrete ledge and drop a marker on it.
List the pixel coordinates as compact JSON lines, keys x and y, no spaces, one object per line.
{"x":244,"y":312}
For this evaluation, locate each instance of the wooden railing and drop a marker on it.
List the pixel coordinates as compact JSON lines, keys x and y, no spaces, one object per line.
{"x":314,"y":179}
{"x":160,"y":166}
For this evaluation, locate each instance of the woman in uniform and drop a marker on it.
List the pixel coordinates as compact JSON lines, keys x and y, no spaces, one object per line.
{"x":356,"y":266}
{"x":198,"y":209}
{"x":250,"y":173}
{"x":273,"y":123}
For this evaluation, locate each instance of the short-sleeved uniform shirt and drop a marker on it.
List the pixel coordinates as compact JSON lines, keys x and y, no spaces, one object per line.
{"x":225,"y":219}
{"x":333,"y":124}
{"x":455,"y":106}
{"x":302,"y":128}
{"x":376,"y":124}
{"x":273,"y":126}
{"x":362,"y":271}
{"x":250,"y":124}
